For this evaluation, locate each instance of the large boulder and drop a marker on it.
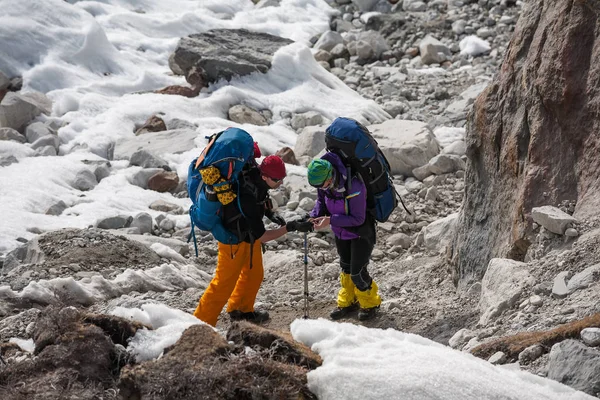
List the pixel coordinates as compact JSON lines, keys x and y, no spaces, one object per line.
{"x":406,"y":144}
{"x":532,"y":136}
{"x":226,"y":53}
{"x":17,"y":110}
{"x":574,"y":364}
{"x":502,"y":287}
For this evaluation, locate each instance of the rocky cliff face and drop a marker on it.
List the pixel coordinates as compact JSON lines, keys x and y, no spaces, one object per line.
{"x":533,"y":135}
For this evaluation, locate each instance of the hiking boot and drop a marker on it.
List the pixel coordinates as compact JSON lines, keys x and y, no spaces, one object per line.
{"x":365,"y":314}
{"x":252,"y":316}
{"x":342,"y":312}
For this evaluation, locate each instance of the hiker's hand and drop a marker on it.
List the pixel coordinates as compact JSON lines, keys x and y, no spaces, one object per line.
{"x":305,"y":226}
{"x":277,"y":219}
{"x":322,"y":222}
{"x":299,"y":226}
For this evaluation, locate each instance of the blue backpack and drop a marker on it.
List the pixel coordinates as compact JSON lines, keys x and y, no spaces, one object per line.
{"x":359,"y":151}
{"x":222,"y":160}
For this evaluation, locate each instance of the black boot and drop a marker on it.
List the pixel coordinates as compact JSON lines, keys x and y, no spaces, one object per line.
{"x":367,"y":313}
{"x":342,"y":312}
{"x":252,"y":316}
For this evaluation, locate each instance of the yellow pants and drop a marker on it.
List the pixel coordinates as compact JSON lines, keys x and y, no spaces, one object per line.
{"x":349,"y":294}
{"x":234,"y":280}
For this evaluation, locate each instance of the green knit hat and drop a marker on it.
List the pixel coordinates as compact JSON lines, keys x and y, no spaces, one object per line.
{"x":319,"y":171}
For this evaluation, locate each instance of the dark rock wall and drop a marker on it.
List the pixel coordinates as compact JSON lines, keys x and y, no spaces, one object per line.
{"x":533,"y":134}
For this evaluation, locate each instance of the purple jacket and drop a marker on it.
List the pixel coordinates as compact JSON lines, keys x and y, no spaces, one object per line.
{"x":346,"y":209}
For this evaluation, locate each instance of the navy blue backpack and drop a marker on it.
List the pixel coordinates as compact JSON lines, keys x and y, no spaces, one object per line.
{"x":359,"y":151}
{"x":224,"y":157}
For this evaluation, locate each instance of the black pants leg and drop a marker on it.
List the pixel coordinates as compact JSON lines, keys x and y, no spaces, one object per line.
{"x":354,"y":259}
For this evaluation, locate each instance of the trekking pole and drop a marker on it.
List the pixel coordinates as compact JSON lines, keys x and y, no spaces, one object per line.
{"x":305,"y":275}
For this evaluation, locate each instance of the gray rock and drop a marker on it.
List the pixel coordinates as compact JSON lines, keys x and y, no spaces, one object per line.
{"x":37,"y":130}
{"x":245,"y":115}
{"x":552,"y":218}
{"x":576,"y":365}
{"x":157,"y":143}
{"x":118,"y":222}
{"x":101,"y":172}
{"x":497,"y":358}
{"x":48,"y":140}
{"x":147,"y":159}
{"x":399,"y":239}
{"x":438,"y":234}
{"x":365,"y":5}
{"x":167,"y":224}
{"x":11,"y":134}
{"x":164,"y":206}
{"x":17,"y":110}
{"x":310,"y":141}
{"x":142,"y":177}
{"x":29,"y":253}
{"x":328,"y":41}
{"x":530,"y":354}
{"x":502,"y":286}
{"x":57,"y":208}
{"x":46,"y":151}
{"x":142,"y":221}
{"x":591,"y":336}
{"x":584,"y":278}
{"x":433,"y":51}
{"x":460,"y":338}
{"x":559,"y":287}
{"x":8,"y":160}
{"x":406,"y":144}
{"x":310,"y":118}
{"x":226,"y":53}
{"x":85,"y":180}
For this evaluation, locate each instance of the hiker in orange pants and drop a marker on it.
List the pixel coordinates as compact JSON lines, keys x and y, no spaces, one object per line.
{"x":240,"y":271}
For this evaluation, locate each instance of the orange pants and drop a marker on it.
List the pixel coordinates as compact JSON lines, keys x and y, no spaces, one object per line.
{"x":234,"y":280}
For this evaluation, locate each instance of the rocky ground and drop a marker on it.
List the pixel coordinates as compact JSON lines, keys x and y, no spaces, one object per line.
{"x":387,"y":58}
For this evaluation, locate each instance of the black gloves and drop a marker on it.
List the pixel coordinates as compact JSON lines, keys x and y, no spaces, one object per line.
{"x":274,"y":217}
{"x":300,"y":226}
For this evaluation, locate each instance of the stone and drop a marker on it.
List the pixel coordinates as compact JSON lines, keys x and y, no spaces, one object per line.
{"x":287,"y":155}
{"x":11,"y":134}
{"x":576,"y":365}
{"x":142,"y":221}
{"x":460,"y":338}
{"x":531,"y":354}
{"x":584,"y":278}
{"x":48,"y":140}
{"x":433,"y":51}
{"x":502,"y":286}
{"x":226,"y":53}
{"x":152,"y":124}
{"x":243,"y":114}
{"x":552,"y":218}
{"x":17,"y":110}
{"x":117,"y":222}
{"x":57,"y":208}
{"x":559,"y":287}
{"x":498,"y":358}
{"x":328,"y":41}
{"x":591,"y":336}
{"x":406,"y":144}
{"x":164,"y":206}
{"x":311,"y":118}
{"x":438,"y":234}
{"x":163,"y":181}
{"x":145,"y":159}
{"x":85,"y":180}
{"x":310,"y":141}
{"x":399,"y":239}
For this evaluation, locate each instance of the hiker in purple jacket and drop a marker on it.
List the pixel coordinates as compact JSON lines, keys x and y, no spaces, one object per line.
{"x":344,"y":207}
